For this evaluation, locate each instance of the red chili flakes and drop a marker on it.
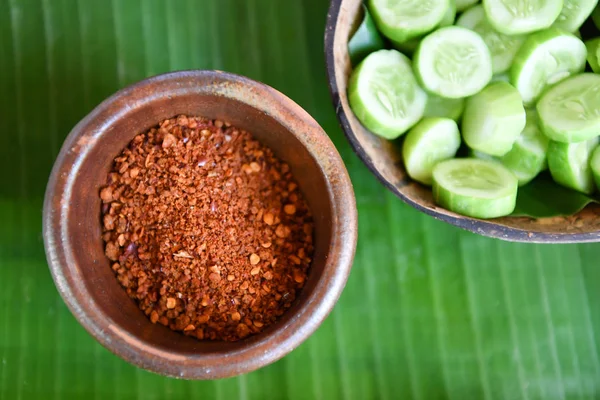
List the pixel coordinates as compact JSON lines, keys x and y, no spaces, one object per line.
{"x":206,"y":229}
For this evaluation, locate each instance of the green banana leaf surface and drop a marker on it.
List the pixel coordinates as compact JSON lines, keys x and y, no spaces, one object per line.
{"x":429,"y":312}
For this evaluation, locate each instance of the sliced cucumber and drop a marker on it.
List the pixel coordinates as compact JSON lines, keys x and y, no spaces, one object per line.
{"x":453,"y":62}
{"x":570,"y":164}
{"x":570,"y":111}
{"x":527,"y":158}
{"x":482,"y":156}
{"x":513,"y":17}
{"x":409,"y":46}
{"x":574,"y":13}
{"x":593,"y":54}
{"x":384,"y":94}
{"x":546,"y":57}
{"x":430,"y":141}
{"x":462,"y":5}
{"x":444,"y":108}
{"x":501,"y":78}
{"x":401,"y":20}
{"x":596,"y":17}
{"x":476,"y":188}
{"x":503,"y":48}
{"x":365,"y":40}
{"x":595,"y":166}
{"x":493,"y":119}
{"x":449,"y":16}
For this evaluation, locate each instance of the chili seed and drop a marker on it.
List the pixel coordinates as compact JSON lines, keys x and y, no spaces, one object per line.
{"x":153,"y":317}
{"x":255,"y":166}
{"x":268,"y":218}
{"x":280,"y":231}
{"x":298,"y":276}
{"x":106,"y":194}
{"x":171,"y":303}
{"x":295,"y":260}
{"x":254,"y":259}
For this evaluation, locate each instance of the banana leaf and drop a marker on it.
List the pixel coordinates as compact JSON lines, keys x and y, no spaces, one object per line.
{"x":429,"y":312}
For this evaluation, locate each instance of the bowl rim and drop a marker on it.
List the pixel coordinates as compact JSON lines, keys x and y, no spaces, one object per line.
{"x":262,"y":349}
{"x":478,"y":226}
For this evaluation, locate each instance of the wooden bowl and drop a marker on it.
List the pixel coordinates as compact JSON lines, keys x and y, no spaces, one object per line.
{"x":384,"y":158}
{"x":72,"y":225}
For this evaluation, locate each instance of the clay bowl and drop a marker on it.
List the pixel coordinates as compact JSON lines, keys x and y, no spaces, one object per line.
{"x":384,"y":158}
{"x":74,"y":247}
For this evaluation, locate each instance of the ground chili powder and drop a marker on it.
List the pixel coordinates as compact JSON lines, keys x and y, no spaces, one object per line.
{"x":206,"y":229}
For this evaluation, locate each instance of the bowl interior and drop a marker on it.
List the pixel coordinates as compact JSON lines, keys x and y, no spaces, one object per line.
{"x":384,"y":157}
{"x":83,"y":170}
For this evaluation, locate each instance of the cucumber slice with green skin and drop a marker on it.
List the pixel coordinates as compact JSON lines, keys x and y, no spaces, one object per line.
{"x":501,"y":78}
{"x":514,"y":17}
{"x":462,"y":5}
{"x":449,"y":16}
{"x":401,"y":20}
{"x":444,"y":108}
{"x":365,"y":40}
{"x":574,"y":13}
{"x":546,"y":57}
{"x":482,"y":156}
{"x":430,"y":141}
{"x":493,"y":119}
{"x":503,"y":48}
{"x":409,"y":46}
{"x":527,"y":158}
{"x":593,"y":54}
{"x":595,"y":166}
{"x":453,"y":62}
{"x":570,"y":164}
{"x":570,"y":111}
{"x":596,"y":17}
{"x":476,"y":188}
{"x":384,"y":94}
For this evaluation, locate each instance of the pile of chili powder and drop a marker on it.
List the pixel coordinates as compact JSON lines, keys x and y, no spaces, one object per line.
{"x":206,"y":229}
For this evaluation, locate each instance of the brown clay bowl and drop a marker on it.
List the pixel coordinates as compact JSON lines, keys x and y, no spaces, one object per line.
{"x":72,"y":230}
{"x":384,"y":158}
